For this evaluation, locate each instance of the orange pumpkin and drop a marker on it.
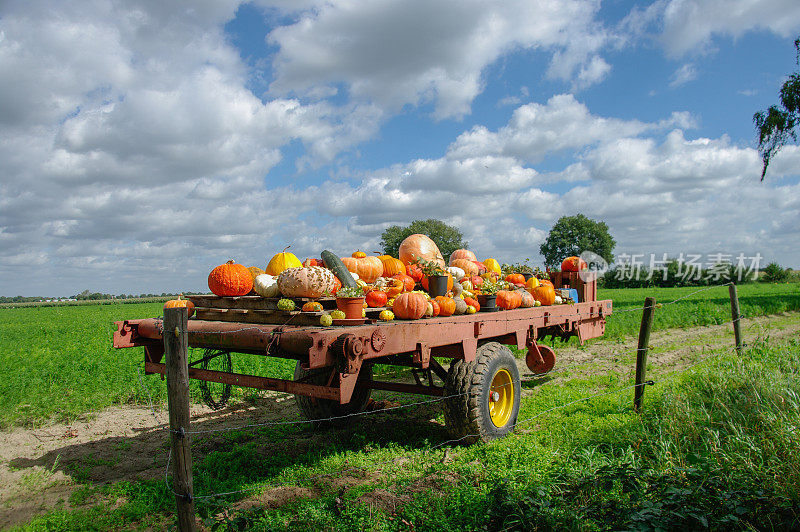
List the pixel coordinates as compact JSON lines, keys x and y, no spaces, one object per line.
{"x":481,"y":267}
{"x":415,"y":272}
{"x":376,"y":298}
{"x":515,"y":278}
{"x":337,"y":284}
{"x":573,"y":264}
{"x":469,"y":267}
{"x":178,"y":303}
{"x":395,"y":287}
{"x":547,"y":282}
{"x":462,"y":254}
{"x":508,"y":299}
{"x":367,"y":268}
{"x":409,"y":306}
{"x":408,"y":282}
{"x":230,"y":279}
{"x":391,"y":265}
{"x":472,"y":302}
{"x":446,"y":305}
{"x":358,"y":255}
{"x":545,"y":294}
{"x":312,"y":306}
{"x":313,"y":262}
{"x":420,"y":246}
{"x":435,"y":306}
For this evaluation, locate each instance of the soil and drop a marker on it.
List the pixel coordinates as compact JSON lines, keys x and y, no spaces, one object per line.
{"x":41,"y":469}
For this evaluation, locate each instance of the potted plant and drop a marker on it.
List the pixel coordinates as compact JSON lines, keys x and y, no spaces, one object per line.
{"x":350,"y":300}
{"x":522,"y":268}
{"x":437,"y":277}
{"x":488,"y":295}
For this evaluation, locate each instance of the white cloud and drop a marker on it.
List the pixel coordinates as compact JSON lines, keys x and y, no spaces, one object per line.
{"x":683,"y":75}
{"x":689,"y":26}
{"x":393,"y":54}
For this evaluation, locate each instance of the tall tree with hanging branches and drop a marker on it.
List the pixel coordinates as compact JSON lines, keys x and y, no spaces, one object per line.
{"x":776,"y":125}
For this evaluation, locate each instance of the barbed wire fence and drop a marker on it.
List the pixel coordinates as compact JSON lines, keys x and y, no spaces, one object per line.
{"x":405,"y":457}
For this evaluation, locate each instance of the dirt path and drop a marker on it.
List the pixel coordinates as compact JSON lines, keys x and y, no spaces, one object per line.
{"x":41,"y":469}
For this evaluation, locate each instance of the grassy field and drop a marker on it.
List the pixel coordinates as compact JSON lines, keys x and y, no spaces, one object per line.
{"x":717,"y":445}
{"x":57,"y":363}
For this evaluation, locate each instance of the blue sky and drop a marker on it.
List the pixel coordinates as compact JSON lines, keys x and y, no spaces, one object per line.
{"x":143,"y":143}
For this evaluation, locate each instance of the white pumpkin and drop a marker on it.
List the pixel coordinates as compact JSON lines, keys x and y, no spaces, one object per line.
{"x":456,"y":272}
{"x":266,"y":285}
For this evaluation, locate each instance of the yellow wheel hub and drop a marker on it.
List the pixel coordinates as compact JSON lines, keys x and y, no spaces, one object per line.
{"x":501,"y":398}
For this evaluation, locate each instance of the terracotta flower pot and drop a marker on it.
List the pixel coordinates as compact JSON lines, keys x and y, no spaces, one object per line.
{"x":351,"y":306}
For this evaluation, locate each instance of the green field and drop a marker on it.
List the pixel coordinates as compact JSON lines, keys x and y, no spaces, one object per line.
{"x":57,"y":362}
{"x":716,"y":446}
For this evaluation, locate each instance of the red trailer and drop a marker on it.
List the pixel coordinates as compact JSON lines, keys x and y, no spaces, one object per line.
{"x":333,"y":377}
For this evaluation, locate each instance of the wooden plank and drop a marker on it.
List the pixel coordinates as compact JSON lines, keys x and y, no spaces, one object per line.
{"x":254,"y":302}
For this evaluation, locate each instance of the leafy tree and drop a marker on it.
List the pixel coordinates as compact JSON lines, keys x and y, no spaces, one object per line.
{"x":773,"y":273}
{"x":447,"y":237}
{"x":572,"y":235}
{"x":776,"y":125}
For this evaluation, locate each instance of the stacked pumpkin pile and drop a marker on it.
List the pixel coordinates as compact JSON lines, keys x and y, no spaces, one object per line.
{"x":398,"y":286}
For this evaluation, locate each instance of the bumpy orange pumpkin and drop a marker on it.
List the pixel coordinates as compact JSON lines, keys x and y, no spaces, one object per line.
{"x":410,"y":306}
{"x":230,"y":279}
{"x":469,"y":267}
{"x":367,"y":268}
{"x":573,"y":264}
{"x":508,"y":299}
{"x":177,"y":303}
{"x":446,"y":305}
{"x":420,"y":246}
{"x":462,"y":254}
{"x":545,"y":294}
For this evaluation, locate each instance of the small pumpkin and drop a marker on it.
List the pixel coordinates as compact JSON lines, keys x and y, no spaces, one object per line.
{"x":473,"y":303}
{"x":532,"y":283}
{"x":255,"y":271}
{"x":410,"y":306}
{"x":461,"y":306}
{"x":367,"y":268}
{"x":408,"y":281}
{"x":515,"y":278}
{"x":178,"y":303}
{"x":386,"y":315}
{"x":415,"y":272}
{"x":281,"y":261}
{"x":456,"y":272}
{"x":492,"y":266}
{"x":326,"y":320}
{"x":508,"y":299}
{"x":481,"y":267}
{"x":462,"y":254}
{"x":338,"y":314}
{"x":266,"y":285}
{"x":358,"y":255}
{"x":573,"y":264}
{"x":545,"y":294}
{"x":376,"y":298}
{"x":312,"y":306}
{"x":468,"y":266}
{"x":446,"y":305}
{"x":435,"y":308}
{"x":230,"y":279}
{"x":313,"y":262}
{"x":527,"y":299}
{"x":286,"y":304}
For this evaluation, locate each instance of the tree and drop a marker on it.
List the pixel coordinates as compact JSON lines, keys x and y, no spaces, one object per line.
{"x":776,"y":125}
{"x":774,"y":273}
{"x":572,"y":235}
{"x":447,"y":237}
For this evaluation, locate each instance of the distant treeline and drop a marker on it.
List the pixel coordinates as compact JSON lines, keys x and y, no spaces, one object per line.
{"x":674,"y":273}
{"x":87,"y":296}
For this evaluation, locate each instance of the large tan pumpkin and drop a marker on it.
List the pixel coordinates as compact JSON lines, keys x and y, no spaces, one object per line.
{"x":462,"y":254}
{"x":367,"y":268}
{"x":420,"y":246}
{"x":306,"y":282}
{"x":469,"y":267}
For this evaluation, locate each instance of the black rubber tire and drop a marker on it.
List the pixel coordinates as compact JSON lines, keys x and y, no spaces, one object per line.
{"x":216,"y":395}
{"x":322,"y":409}
{"x":467,"y":415}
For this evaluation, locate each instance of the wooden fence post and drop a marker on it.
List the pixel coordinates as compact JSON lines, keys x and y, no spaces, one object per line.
{"x":641,"y":351}
{"x":736,"y":316}
{"x":176,"y":348}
